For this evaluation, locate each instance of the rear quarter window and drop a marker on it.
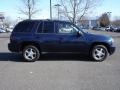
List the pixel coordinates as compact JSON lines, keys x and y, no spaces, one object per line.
{"x":24,"y":27}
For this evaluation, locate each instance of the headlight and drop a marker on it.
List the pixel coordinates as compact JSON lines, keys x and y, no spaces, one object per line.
{"x":111,"y":41}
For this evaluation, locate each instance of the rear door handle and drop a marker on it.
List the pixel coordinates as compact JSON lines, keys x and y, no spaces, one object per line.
{"x":37,"y":37}
{"x":60,"y":40}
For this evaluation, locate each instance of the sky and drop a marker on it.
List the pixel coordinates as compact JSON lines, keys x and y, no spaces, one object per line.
{"x":11,"y":8}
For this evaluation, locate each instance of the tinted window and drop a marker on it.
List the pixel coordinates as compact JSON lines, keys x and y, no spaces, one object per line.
{"x":48,"y":27}
{"x":40,"y":27}
{"x":24,"y":27}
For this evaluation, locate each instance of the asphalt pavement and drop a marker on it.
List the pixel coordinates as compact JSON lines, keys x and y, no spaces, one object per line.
{"x":59,"y":71}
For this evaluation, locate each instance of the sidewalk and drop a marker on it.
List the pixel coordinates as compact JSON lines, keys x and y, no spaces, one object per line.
{"x":5,"y":35}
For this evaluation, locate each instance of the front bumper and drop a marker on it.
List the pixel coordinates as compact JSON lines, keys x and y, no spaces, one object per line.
{"x":112,"y":50}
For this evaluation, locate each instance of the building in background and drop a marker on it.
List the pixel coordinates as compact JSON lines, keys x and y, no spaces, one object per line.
{"x":2,"y":17}
{"x":89,"y":23}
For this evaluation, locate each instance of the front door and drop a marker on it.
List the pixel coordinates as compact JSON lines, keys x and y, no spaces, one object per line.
{"x":70,"y":39}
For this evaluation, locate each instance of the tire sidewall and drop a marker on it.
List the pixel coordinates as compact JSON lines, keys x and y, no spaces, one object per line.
{"x":36,"y":50}
{"x":99,"y":46}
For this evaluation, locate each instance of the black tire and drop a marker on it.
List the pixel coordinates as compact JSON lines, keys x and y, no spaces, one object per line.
{"x":31,"y":53}
{"x":99,"y":53}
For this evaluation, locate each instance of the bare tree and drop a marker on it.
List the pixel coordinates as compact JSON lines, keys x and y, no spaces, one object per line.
{"x":104,"y":20}
{"x":7,"y":22}
{"x":73,"y":9}
{"x":29,"y":8}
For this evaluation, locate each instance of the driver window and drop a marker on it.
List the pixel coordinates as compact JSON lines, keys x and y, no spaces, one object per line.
{"x":66,"y":28}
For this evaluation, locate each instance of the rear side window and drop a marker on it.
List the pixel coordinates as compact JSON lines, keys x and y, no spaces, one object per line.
{"x":24,"y":27}
{"x":48,"y":27}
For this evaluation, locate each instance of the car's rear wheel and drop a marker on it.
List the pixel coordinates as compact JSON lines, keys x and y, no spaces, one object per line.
{"x":99,"y":53}
{"x":31,"y":53}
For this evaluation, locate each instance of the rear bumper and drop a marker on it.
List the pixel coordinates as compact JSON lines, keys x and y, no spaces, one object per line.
{"x":13,"y":47}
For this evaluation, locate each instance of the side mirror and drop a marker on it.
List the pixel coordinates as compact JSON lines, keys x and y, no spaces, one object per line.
{"x":78,"y":34}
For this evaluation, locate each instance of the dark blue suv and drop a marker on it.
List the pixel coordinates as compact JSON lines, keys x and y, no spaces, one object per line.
{"x":33,"y":37}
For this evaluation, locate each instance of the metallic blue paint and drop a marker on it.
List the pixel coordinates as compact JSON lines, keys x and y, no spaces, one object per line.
{"x":55,"y":42}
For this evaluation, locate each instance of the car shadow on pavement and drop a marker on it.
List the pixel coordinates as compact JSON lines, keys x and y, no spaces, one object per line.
{"x":6,"y":56}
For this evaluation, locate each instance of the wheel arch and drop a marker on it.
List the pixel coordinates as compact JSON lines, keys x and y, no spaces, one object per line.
{"x":26,"y":43}
{"x":100,"y":43}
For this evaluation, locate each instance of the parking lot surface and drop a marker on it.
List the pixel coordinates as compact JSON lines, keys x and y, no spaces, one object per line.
{"x":59,"y":71}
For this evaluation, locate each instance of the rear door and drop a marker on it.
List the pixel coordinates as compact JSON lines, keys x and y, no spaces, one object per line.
{"x":46,"y":36}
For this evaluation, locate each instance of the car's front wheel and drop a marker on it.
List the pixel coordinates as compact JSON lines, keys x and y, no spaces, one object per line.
{"x":31,"y":53}
{"x":99,"y":53}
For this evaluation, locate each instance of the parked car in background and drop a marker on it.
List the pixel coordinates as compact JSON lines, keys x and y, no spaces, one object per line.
{"x":111,"y":28}
{"x":9,"y":30}
{"x":2,"y":30}
{"x":33,"y":37}
{"x":108,"y":28}
{"x":118,"y":29}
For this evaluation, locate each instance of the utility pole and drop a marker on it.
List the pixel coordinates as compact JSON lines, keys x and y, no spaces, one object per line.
{"x":58,"y":7}
{"x":50,"y":9}
{"x":109,"y":15}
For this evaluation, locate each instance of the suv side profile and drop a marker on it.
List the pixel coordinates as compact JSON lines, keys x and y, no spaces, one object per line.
{"x":33,"y":37}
